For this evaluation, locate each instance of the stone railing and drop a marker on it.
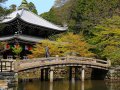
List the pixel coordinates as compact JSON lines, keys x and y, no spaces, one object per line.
{"x":60,"y":61}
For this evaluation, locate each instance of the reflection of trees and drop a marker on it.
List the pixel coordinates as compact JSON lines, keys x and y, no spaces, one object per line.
{"x":96,"y":85}
{"x":68,"y":85}
{"x":113,"y":85}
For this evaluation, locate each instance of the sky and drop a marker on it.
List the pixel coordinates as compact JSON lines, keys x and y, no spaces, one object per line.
{"x":41,"y":5}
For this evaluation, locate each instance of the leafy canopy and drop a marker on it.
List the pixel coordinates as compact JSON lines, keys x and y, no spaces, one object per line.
{"x":107,"y":39}
{"x":17,"y":50}
{"x":66,"y":44}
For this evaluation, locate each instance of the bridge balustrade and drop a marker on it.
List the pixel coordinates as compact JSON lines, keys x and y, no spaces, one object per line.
{"x":52,"y":61}
{"x":61,"y":61}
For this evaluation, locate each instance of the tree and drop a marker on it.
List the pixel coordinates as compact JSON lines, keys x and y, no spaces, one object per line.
{"x":2,"y":1}
{"x":2,"y":9}
{"x":39,"y":49}
{"x":2,"y":46}
{"x":13,"y":7}
{"x":75,"y":44}
{"x":17,"y":50}
{"x":65,"y":44}
{"x":82,"y":15}
{"x":3,"y":12}
{"x":107,"y":39}
{"x":51,"y":16}
{"x":32,"y":8}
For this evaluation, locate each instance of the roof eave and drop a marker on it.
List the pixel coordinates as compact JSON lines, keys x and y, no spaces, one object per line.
{"x":19,"y":16}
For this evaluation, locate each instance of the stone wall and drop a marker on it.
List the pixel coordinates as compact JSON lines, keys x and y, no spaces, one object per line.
{"x":113,"y":74}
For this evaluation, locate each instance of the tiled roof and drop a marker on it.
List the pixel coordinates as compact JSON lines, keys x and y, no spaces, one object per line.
{"x":33,"y":19}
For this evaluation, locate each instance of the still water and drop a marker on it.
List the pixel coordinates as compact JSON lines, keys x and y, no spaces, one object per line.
{"x":67,"y":85}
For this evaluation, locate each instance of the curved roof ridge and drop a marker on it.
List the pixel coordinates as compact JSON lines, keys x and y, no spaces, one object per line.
{"x":21,"y":12}
{"x":46,"y":20}
{"x":31,"y":18}
{"x":11,"y":16}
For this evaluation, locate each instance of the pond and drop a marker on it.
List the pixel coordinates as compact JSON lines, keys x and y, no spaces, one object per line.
{"x":67,"y":85}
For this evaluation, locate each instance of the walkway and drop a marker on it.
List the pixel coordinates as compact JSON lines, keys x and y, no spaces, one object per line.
{"x":60,"y":62}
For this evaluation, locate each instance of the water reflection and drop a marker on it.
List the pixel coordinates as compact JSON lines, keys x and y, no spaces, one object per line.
{"x":67,"y":85}
{"x":82,"y":86}
{"x":51,"y":86}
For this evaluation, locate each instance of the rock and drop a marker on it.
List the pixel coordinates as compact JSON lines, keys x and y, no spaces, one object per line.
{"x":3,"y":85}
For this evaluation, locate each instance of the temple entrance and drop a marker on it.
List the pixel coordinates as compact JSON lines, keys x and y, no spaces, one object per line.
{"x":9,"y":53}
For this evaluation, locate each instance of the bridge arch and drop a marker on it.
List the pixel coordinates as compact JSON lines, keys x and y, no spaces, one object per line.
{"x":61,"y":62}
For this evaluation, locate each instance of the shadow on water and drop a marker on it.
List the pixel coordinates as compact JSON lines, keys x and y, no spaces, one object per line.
{"x":67,"y":85}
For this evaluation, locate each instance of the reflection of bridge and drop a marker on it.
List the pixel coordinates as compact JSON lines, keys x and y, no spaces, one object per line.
{"x":52,"y":62}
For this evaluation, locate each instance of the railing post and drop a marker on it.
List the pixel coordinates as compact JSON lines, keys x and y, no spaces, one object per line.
{"x":109,"y":63}
{"x":16,"y":66}
{"x":51,"y":74}
{"x":57,"y":57}
{"x":95,"y":61}
{"x":11,"y":63}
{"x":67,"y":57}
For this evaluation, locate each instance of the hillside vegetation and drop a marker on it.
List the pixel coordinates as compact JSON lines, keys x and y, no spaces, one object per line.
{"x":97,"y":20}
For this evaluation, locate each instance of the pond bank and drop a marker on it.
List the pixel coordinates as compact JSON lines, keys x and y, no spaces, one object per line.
{"x":3,"y":84}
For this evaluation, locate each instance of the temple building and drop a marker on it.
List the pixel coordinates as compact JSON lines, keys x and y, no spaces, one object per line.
{"x":24,"y":28}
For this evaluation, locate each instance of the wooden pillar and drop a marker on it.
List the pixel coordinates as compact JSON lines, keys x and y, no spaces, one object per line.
{"x":11,"y":66}
{"x":42,"y":74}
{"x":51,"y":74}
{"x":83,"y":73}
{"x":1,"y":66}
{"x":5,"y":65}
{"x":70,"y":73}
{"x":46,"y":74}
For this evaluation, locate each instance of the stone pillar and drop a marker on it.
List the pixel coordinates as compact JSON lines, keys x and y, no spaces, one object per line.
{"x":46,"y":74}
{"x":42,"y":74}
{"x":1,"y":66}
{"x":83,"y":73}
{"x":70,"y":73}
{"x":51,"y":74}
{"x":16,"y":78}
{"x":111,"y":74}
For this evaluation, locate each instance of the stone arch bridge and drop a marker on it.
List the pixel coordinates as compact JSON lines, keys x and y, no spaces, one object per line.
{"x":60,"y":62}
{"x":52,"y":62}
